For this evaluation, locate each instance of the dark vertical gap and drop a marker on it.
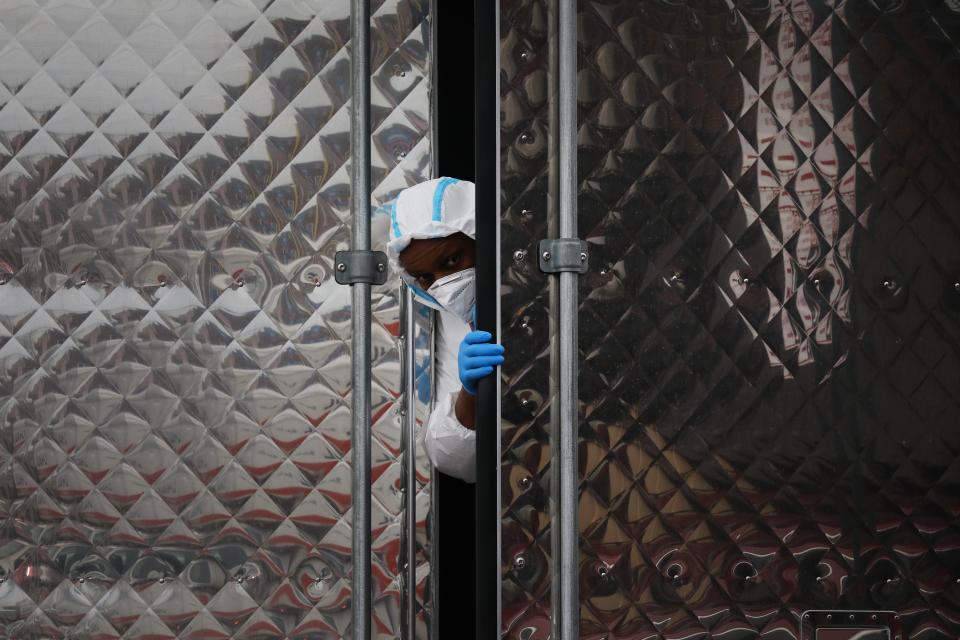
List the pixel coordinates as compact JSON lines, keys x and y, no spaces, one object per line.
{"x":454,"y":147}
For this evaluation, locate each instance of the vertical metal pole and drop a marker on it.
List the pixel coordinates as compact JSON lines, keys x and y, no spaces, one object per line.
{"x":408,"y":445}
{"x":360,"y":241}
{"x":486,"y":21}
{"x":434,"y":524}
{"x":567,"y":618}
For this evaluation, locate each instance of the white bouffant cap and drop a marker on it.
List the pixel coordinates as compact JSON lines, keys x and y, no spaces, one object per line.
{"x":433,"y":209}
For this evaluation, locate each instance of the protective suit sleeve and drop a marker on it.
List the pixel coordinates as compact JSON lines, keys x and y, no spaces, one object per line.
{"x":451,"y":447}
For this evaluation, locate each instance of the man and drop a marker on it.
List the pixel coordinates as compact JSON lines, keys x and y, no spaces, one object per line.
{"x":433,"y":249}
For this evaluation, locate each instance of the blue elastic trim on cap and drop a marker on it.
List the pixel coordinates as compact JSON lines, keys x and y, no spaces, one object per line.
{"x":393,"y":219}
{"x":438,"y":197}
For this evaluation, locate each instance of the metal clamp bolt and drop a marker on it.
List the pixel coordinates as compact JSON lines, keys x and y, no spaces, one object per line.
{"x":563,"y":254}
{"x":354,"y":267}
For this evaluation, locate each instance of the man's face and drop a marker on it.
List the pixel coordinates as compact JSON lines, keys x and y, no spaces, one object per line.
{"x":429,"y":260}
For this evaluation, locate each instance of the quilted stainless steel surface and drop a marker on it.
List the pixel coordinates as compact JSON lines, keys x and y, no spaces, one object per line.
{"x":770,"y":331}
{"x":174,"y":352}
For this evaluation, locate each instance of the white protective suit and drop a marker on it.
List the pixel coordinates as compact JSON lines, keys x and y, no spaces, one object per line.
{"x":437,"y":209}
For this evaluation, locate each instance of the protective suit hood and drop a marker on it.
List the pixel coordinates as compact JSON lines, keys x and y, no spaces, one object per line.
{"x":433,"y":209}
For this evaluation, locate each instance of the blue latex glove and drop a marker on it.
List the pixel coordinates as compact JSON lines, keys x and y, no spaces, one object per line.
{"x":478,"y":356}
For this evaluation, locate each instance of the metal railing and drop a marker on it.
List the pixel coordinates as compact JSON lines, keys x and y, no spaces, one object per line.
{"x":361,"y":316}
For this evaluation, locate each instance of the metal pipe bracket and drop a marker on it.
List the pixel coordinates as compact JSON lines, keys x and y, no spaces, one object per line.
{"x":353,"y":267}
{"x":563,"y":254}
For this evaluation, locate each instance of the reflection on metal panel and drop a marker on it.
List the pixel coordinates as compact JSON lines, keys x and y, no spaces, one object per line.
{"x":770,"y":331}
{"x":174,"y":353}
{"x":852,"y":634}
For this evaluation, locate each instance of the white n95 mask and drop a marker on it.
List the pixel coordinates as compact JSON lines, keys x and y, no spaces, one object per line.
{"x":456,"y":293}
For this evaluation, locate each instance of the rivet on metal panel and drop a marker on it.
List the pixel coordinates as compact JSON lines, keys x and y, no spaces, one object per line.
{"x":381,"y":267}
{"x":547,"y":256}
{"x":851,"y":617}
{"x":806,"y":616}
{"x":956,"y":287}
{"x":674,"y":572}
{"x":401,"y":155}
{"x":519,"y":255}
{"x":525,"y":56}
{"x":341,"y":267}
{"x":829,"y":617}
{"x":583,"y":257}
{"x":874,"y":617}
{"x":526,"y":214}
{"x":603,"y":571}
{"x":526,"y":138}
{"x":890,"y":284}
{"x":525,"y":482}
{"x":519,"y":562}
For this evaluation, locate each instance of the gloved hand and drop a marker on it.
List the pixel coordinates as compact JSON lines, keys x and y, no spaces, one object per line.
{"x":478,"y":356}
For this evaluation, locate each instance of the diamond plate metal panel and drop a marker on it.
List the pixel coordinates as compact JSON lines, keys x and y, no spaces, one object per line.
{"x":770,"y":332}
{"x":174,"y":353}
